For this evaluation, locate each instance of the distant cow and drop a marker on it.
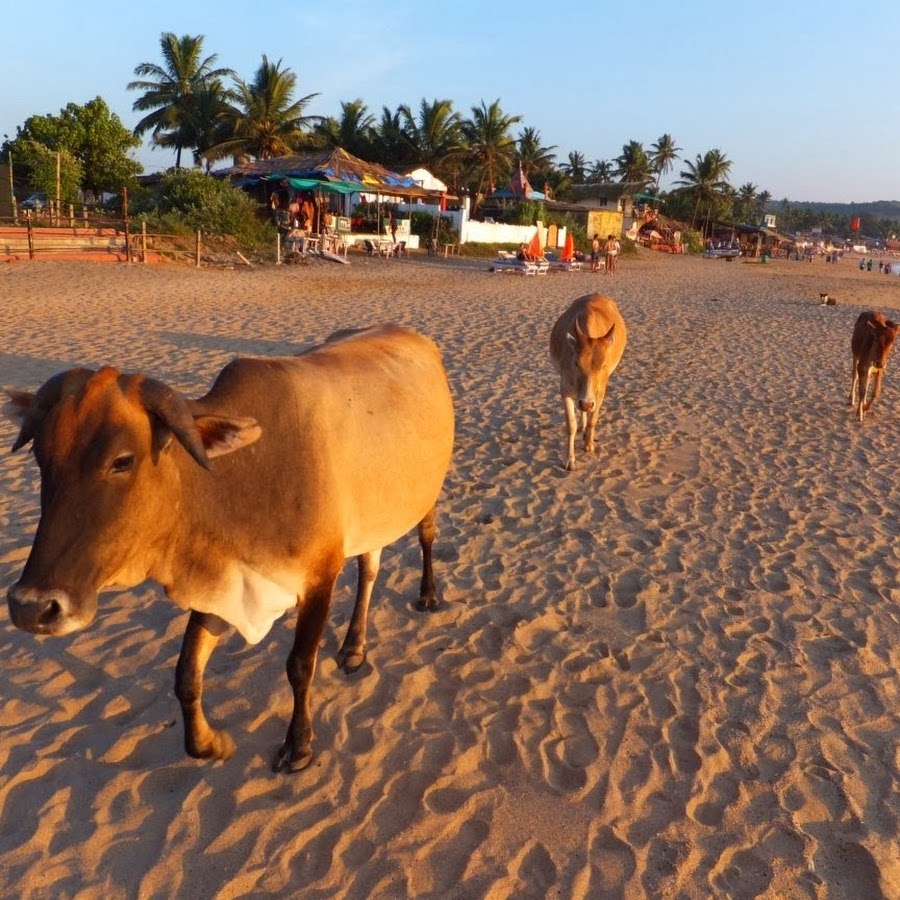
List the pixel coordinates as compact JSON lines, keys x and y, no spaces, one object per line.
{"x":871,"y":345}
{"x":283,"y":470}
{"x":586,"y":344}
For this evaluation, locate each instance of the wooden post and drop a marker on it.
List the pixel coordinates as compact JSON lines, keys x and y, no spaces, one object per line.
{"x":12,"y":192}
{"x":30,"y":237}
{"x":125,"y":224}
{"x":198,"y":249}
{"x":143,"y":241}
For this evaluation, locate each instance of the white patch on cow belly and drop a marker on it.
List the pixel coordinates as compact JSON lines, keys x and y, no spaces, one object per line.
{"x":251,"y":601}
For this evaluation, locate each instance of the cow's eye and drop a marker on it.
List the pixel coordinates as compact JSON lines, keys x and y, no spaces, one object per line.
{"x":122,"y":463}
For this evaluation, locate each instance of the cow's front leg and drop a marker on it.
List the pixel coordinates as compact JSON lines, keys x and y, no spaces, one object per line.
{"x":200,"y":740}
{"x":589,"y":427}
{"x":861,"y":406}
{"x":854,"y":383}
{"x":353,"y":651}
{"x":296,"y":751}
{"x":876,"y":388}
{"x":571,"y":430}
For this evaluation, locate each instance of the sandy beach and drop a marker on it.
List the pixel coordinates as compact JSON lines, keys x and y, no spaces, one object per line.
{"x":671,"y":673}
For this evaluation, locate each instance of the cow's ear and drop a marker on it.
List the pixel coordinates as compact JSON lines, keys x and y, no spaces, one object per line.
{"x":17,"y":405}
{"x":225,"y":434}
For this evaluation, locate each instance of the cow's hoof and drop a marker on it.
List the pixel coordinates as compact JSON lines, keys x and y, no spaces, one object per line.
{"x":570,"y":465}
{"x":427,"y":602}
{"x":219,"y":745}
{"x":351,"y":660}
{"x":288,"y":761}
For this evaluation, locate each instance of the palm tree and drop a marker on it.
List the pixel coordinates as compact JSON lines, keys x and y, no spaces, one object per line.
{"x":575,"y":167}
{"x":266,"y":121}
{"x":390,"y":145}
{"x":170,"y":91}
{"x":705,"y":179}
{"x":745,"y":198}
{"x":633,"y":164}
{"x":664,"y":155}
{"x":490,"y":149}
{"x":534,"y":158}
{"x":354,"y":131}
{"x":601,"y":171}
{"x":433,"y":136}
{"x":762,"y":201}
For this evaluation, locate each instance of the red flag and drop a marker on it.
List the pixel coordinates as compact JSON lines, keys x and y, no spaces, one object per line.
{"x":855,"y":224}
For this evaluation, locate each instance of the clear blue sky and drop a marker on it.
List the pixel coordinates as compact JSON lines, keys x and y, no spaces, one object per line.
{"x":801,"y":96}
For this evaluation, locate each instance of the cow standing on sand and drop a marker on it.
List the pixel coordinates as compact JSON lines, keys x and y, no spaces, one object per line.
{"x":871,"y":345}
{"x":283,"y":470}
{"x":586,"y":344}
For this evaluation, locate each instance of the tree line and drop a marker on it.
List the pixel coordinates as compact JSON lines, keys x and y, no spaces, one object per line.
{"x":193,"y":106}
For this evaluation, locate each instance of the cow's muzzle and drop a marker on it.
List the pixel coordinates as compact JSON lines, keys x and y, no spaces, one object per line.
{"x":45,"y":612}
{"x":586,"y":404}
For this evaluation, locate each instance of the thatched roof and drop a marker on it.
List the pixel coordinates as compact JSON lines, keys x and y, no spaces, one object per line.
{"x":608,"y":190}
{"x":329,"y":165}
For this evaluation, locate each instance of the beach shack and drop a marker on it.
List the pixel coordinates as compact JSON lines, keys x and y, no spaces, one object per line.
{"x":323,"y":187}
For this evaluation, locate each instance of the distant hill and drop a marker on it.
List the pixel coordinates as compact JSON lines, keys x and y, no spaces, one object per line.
{"x":879,"y":209}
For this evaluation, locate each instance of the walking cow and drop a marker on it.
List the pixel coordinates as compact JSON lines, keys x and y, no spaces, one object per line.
{"x":283,"y":470}
{"x":586,"y":344}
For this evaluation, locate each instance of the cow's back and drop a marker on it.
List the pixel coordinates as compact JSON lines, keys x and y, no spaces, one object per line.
{"x":357,"y":434}
{"x":863,"y":339}
{"x":595,"y":315}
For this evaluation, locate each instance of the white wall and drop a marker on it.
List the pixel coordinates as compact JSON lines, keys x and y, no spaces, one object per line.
{"x":471,"y":232}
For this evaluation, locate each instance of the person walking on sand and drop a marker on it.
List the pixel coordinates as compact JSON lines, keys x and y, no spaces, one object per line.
{"x":612,"y":254}
{"x":595,"y":253}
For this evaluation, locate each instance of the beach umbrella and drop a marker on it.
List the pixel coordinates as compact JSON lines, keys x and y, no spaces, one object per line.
{"x":534,"y":247}
{"x":568,"y":253}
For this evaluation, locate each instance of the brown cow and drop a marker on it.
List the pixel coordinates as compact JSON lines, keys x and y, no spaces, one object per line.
{"x":871,"y":345}
{"x":586,"y":344}
{"x":287,"y":467}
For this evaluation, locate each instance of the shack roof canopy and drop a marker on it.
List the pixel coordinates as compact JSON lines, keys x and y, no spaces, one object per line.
{"x":335,"y":166}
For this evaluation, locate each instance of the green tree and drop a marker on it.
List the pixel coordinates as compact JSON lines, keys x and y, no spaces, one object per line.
{"x":536,"y":159}
{"x":266,"y":121}
{"x":633,"y":164}
{"x":600,"y":172}
{"x":170,"y":89}
{"x":665,"y":152}
{"x":390,"y":146}
{"x":433,"y":136}
{"x":354,"y":131}
{"x":704,"y":180}
{"x":745,"y":200}
{"x":93,"y":145}
{"x":490,"y":148}
{"x":576,"y":167}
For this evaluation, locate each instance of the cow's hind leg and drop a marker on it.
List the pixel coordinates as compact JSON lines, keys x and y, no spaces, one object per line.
{"x":312,"y":611}
{"x":428,"y":598}
{"x":854,"y":383}
{"x":353,"y":651}
{"x":200,"y":740}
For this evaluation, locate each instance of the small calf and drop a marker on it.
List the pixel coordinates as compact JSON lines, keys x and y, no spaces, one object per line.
{"x":871,"y":345}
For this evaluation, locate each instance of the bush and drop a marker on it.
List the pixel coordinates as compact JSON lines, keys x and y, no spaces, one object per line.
{"x":188,"y":201}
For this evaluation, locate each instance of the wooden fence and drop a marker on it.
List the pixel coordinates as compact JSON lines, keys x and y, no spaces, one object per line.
{"x":100,"y":240}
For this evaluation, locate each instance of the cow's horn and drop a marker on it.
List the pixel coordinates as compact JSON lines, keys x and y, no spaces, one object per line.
{"x":47,"y":396}
{"x":171,"y":409}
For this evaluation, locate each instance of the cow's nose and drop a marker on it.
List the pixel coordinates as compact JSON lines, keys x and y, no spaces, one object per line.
{"x":586,"y":405}
{"x":41,"y":612}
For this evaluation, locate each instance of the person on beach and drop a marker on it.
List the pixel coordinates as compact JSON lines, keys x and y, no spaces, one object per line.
{"x":595,"y":253}
{"x":612,"y":254}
